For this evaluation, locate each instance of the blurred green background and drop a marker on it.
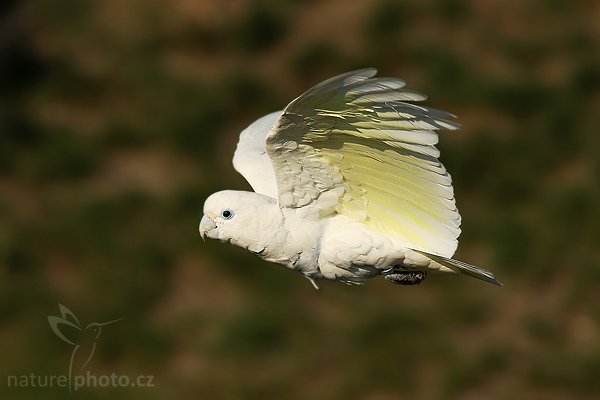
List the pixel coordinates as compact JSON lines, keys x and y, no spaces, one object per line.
{"x":118,"y":118}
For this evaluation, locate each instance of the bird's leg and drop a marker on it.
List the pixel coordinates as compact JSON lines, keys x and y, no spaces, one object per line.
{"x":403,"y":277}
{"x":312,"y":281}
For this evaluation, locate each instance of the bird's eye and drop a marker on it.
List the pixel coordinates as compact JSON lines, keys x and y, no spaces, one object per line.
{"x":227,"y":214}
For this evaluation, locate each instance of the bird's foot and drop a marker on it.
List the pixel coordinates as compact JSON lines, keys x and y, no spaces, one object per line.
{"x":404,"y":277}
{"x":312,"y":281}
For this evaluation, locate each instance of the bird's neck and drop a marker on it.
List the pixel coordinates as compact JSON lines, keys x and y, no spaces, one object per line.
{"x":285,"y":238}
{"x":265,"y":233}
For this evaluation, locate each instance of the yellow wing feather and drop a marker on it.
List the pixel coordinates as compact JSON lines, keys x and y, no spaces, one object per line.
{"x":356,"y":139}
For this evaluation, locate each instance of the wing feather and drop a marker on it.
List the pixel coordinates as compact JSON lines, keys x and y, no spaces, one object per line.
{"x":353,"y":145}
{"x":250,"y":158}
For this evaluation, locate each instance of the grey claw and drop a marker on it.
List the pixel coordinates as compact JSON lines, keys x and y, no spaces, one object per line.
{"x":388,"y":270}
{"x":406,"y":277}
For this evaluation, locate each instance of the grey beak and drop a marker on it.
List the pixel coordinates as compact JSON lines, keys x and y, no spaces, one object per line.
{"x":206,"y":225}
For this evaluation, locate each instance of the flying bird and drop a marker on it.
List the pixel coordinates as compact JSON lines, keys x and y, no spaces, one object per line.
{"x":347,"y":186}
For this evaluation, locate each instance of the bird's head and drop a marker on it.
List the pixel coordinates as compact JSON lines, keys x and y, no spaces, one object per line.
{"x":95,"y":328}
{"x":236,"y":216}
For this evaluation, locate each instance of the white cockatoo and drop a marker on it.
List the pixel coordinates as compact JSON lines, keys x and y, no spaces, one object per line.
{"x":347,"y":186}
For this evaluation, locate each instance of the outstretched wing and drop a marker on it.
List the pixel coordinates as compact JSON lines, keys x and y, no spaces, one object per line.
{"x":354,"y":145}
{"x":250,"y":158}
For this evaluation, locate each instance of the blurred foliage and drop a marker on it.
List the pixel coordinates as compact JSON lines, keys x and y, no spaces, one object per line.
{"x":117,"y":119}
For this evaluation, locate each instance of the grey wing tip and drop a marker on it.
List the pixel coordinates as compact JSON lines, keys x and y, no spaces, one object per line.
{"x":477,"y":272}
{"x":364,"y":71}
{"x":474,"y":271}
{"x":465,"y":268}
{"x":491,"y":279}
{"x":357,"y":75}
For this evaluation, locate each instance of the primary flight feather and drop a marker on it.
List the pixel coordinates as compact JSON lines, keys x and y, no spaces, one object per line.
{"x":347,"y":185}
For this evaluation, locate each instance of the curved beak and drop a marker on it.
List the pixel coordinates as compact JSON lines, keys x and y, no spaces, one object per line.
{"x":206,"y":226}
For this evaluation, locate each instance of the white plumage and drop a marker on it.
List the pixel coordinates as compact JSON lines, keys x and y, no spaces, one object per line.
{"x":348,"y":186}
